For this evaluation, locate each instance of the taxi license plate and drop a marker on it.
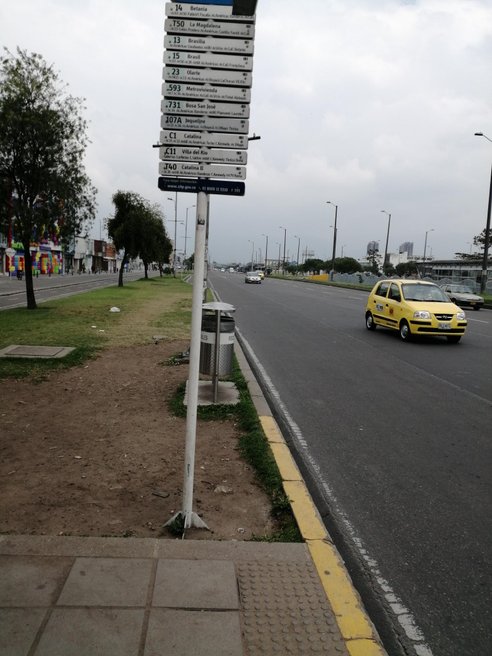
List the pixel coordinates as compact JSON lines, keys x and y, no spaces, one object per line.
{"x":444,"y":326}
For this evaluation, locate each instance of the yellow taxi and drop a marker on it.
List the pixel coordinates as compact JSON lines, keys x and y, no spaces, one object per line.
{"x":414,"y":307}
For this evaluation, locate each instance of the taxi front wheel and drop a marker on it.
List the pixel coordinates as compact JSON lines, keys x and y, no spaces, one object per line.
{"x":370,"y":325}
{"x":405,"y":333}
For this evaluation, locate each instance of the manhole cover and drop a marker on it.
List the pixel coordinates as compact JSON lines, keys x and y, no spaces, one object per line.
{"x":18,"y":351}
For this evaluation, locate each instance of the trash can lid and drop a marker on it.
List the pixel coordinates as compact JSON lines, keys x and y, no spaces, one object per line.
{"x":218,"y":307}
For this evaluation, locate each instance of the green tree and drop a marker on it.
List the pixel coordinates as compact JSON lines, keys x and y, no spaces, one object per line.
{"x":155,"y":245}
{"x":345,"y":265}
{"x":407,"y":268}
{"x":136,"y":228}
{"x":374,"y":260}
{"x":42,"y":145}
{"x":312,"y":264}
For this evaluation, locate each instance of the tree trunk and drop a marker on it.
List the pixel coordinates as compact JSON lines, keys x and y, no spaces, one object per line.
{"x":122,"y":266}
{"x":31,"y":299}
{"x":146,"y":268}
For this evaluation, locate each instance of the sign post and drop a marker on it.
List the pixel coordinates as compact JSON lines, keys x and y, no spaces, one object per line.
{"x":208,"y":62}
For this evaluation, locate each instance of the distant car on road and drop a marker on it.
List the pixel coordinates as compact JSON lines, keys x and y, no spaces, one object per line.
{"x":252,"y":277}
{"x":414,"y":307}
{"x":461,"y":295}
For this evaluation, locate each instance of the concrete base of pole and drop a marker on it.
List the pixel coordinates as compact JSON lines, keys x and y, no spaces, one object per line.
{"x":190,"y":520}
{"x":227,"y":393}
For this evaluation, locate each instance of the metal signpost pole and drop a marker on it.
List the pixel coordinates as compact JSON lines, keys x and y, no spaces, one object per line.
{"x":191,"y":519}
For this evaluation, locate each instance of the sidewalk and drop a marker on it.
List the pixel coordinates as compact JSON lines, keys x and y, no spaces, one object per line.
{"x":62,"y":596}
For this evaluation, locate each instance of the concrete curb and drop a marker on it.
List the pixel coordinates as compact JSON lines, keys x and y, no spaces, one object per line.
{"x":357,"y":630}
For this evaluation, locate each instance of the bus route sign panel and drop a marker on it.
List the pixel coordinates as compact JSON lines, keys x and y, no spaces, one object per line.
{"x":196,"y":169}
{"x":210,"y":28}
{"x":208,"y":107}
{"x":214,"y":12}
{"x":204,"y":139}
{"x":209,"y":155}
{"x":206,"y":92}
{"x":207,"y":76}
{"x":209,"y":43}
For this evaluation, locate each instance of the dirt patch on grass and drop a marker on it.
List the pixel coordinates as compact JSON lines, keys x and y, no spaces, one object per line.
{"x":94,"y":450}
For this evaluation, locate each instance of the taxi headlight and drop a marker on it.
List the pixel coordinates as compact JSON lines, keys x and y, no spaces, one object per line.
{"x":421,"y":314}
{"x":461,"y":316}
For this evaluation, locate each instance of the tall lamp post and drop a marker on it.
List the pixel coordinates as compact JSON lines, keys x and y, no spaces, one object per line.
{"x":285,"y":237}
{"x":175,"y":201}
{"x":266,"y":251}
{"x":332,"y":272}
{"x":485,"y":263}
{"x":298,"y":248}
{"x":279,"y":245}
{"x":186,"y":230}
{"x":387,"y":237}
{"x":252,"y":252}
{"x":425,"y":246}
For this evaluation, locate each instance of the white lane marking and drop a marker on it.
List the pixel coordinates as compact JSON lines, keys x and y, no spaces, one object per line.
{"x":477,"y":320}
{"x":403,"y":615}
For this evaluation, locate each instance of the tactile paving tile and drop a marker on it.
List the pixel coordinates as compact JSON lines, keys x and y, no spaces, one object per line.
{"x":284,"y":610}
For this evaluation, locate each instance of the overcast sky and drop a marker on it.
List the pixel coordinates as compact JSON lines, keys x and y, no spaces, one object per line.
{"x":369,"y":104}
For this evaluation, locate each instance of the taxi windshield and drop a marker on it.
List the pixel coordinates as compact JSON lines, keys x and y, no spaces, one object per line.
{"x":424,"y":293}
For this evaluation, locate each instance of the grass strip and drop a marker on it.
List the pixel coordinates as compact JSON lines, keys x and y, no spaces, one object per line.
{"x":157,"y":306}
{"x":254,"y":448}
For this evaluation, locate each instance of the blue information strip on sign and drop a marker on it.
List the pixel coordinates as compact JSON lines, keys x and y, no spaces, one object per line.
{"x":193,"y":186}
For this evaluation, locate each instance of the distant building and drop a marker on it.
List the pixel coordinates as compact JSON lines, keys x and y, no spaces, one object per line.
{"x":406,"y":247}
{"x":372,"y":247}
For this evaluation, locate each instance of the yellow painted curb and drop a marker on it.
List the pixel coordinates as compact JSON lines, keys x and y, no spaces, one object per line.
{"x":285,"y":462}
{"x":305,"y":512}
{"x":271,"y":429}
{"x":364,"y":648}
{"x":351,"y":618}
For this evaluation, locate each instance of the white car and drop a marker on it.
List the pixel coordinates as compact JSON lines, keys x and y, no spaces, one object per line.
{"x":252,"y":277}
{"x":461,"y":295}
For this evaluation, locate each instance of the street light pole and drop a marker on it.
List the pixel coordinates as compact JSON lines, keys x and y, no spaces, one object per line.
{"x":266,"y":251}
{"x":175,"y":201}
{"x":387,"y":237}
{"x":252,"y":253}
{"x":285,"y":237}
{"x":298,"y":248}
{"x":332,"y":272}
{"x":186,"y":230}
{"x":485,"y":262}
{"x":425,"y":247}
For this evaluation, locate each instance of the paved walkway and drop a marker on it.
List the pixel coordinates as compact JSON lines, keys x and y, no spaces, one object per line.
{"x":66,"y":596}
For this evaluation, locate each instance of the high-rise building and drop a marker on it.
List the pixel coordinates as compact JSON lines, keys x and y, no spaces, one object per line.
{"x":372,"y":247}
{"x":407,"y":247}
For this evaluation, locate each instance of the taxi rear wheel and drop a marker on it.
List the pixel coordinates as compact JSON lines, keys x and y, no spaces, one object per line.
{"x":405,"y":333}
{"x":370,"y":325}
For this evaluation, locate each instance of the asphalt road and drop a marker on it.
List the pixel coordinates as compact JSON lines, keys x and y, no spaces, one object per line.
{"x":395,"y":438}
